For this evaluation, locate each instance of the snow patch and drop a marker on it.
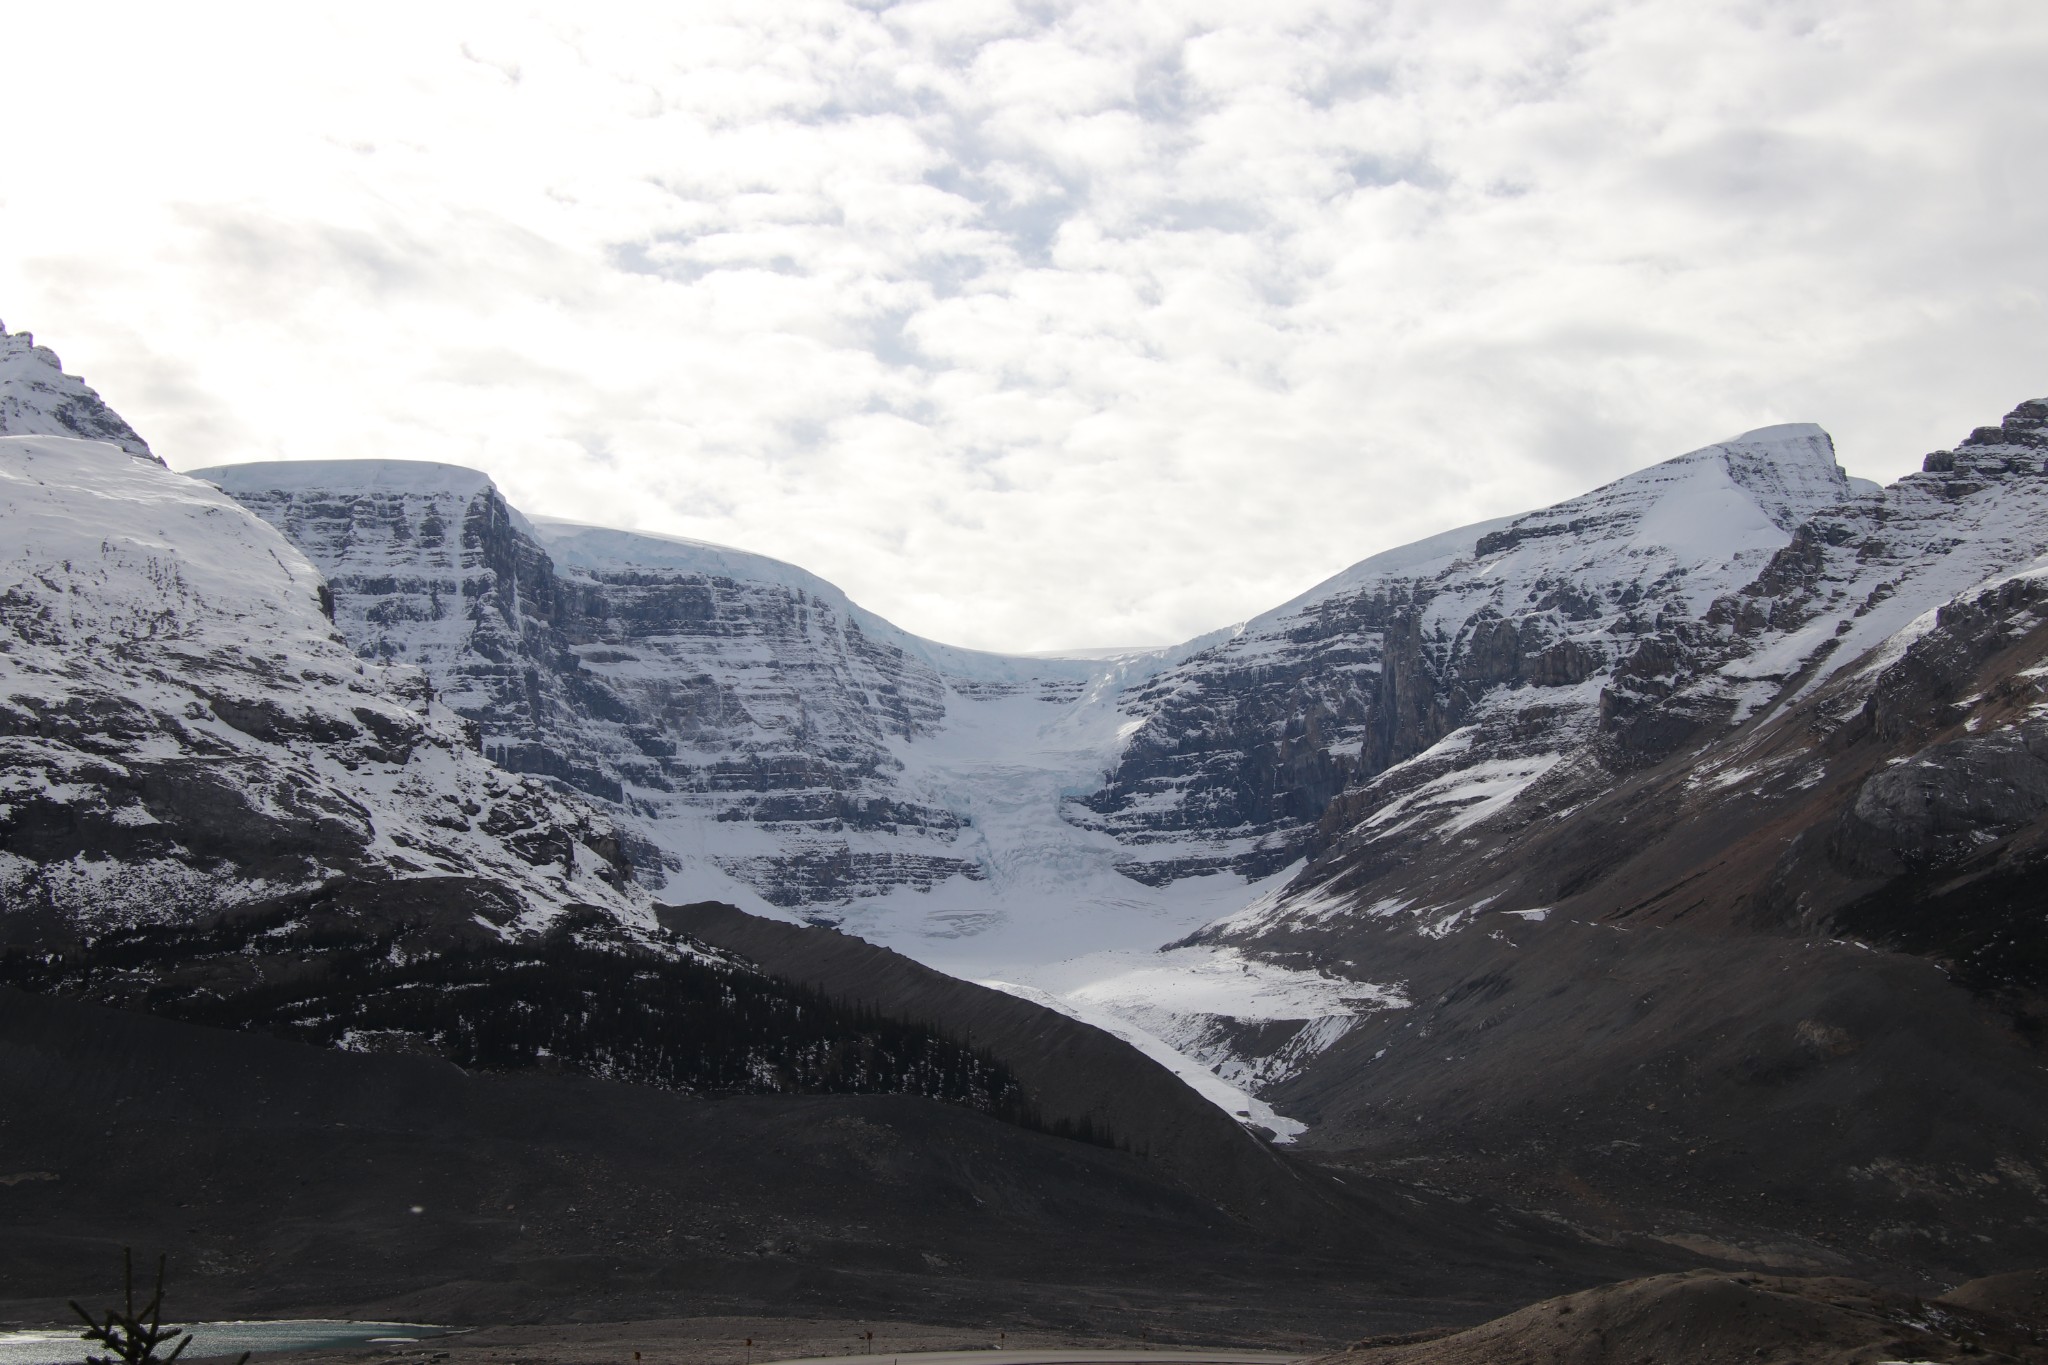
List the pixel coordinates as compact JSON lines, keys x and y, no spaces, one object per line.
{"x":1247,"y":1108}
{"x":1463,"y":798}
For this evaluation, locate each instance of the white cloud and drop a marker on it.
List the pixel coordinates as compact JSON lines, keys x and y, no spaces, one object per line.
{"x":1035,"y":325}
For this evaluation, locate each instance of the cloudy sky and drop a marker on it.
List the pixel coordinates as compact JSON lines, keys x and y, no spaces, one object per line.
{"x":1034,"y":324}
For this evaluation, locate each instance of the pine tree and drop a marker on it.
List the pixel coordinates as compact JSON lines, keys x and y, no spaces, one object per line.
{"x":132,"y":1337}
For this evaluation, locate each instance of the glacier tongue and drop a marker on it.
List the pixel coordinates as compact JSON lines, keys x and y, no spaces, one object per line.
{"x":760,"y":738}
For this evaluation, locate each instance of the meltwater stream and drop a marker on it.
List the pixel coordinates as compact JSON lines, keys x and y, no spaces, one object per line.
{"x":63,"y":1346}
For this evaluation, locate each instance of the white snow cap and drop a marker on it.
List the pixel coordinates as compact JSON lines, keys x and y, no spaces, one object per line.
{"x":366,"y":476}
{"x":1719,"y":505}
{"x":599,"y":549}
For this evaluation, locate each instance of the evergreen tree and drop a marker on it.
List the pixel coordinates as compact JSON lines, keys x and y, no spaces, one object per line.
{"x":132,"y":1337}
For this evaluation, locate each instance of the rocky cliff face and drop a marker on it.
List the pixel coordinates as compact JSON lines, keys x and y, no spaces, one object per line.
{"x":743,"y":713}
{"x":733,"y":710}
{"x":429,"y":568}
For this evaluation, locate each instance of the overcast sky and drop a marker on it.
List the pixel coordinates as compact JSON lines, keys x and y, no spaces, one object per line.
{"x":1034,"y":324}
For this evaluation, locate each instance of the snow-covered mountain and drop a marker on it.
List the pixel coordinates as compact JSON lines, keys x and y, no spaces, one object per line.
{"x":1593,"y":820}
{"x":185,"y":731}
{"x":1738,"y":937}
{"x":38,"y":399}
{"x":1510,"y":626}
{"x":1727,"y":658}
{"x":742,"y":715}
{"x":212,"y":808}
{"x":762,"y":739}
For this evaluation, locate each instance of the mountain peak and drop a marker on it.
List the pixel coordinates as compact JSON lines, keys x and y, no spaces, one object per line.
{"x":2025,"y":427}
{"x":1789,"y":470}
{"x":1711,"y":505}
{"x":38,"y":399}
{"x":1791,"y":435}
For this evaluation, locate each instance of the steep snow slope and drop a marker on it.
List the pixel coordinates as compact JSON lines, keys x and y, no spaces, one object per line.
{"x":38,"y":399}
{"x":183,"y":729}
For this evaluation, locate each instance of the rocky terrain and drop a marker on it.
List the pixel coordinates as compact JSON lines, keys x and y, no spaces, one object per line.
{"x":1713,"y":1318}
{"x":1720,"y":1319}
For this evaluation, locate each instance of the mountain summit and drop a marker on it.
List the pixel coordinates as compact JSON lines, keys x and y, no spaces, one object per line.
{"x":38,"y":399}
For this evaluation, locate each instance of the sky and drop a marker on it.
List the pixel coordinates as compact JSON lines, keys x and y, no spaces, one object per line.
{"x":1034,"y":325}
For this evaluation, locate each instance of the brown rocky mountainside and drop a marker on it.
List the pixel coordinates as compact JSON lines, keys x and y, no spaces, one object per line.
{"x":1771,"y":988}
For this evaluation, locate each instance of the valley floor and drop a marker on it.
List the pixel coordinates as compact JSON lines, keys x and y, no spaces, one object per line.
{"x":1701,"y":1317}
{"x":723,"y":1341}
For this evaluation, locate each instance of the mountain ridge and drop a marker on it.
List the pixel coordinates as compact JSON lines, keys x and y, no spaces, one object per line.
{"x":1661,"y":860}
